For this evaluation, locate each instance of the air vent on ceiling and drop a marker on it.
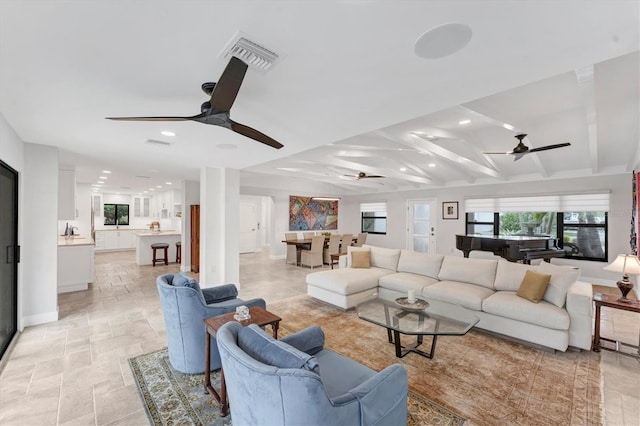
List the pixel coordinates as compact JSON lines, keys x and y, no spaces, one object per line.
{"x":158,"y":143}
{"x":255,"y":55}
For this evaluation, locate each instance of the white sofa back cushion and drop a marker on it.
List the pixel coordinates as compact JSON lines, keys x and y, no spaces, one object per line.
{"x":562,"y":278}
{"x":384,"y":257}
{"x":509,"y":275}
{"x":420,"y":263}
{"x":352,"y":249}
{"x":474,"y":271}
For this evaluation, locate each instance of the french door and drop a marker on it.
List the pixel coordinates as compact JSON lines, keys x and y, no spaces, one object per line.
{"x":421,"y":225}
{"x":9,"y":255}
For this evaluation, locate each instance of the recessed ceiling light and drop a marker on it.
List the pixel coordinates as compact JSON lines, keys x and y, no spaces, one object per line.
{"x":508,"y":126}
{"x":403,"y":169}
{"x":145,"y":192}
{"x":158,"y":186}
{"x":168,"y":183}
{"x":100,"y":182}
{"x":227,"y":146}
{"x":167,"y":133}
{"x":106,"y":171}
{"x":431,"y":164}
{"x":463,"y":122}
{"x":103,"y":177}
{"x":442,"y":40}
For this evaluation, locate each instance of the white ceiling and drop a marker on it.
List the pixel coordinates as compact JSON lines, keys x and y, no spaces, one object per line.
{"x":347,"y":95}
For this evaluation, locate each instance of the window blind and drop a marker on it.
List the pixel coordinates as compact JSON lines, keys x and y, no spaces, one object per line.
{"x":544,"y":203}
{"x":373,"y":207}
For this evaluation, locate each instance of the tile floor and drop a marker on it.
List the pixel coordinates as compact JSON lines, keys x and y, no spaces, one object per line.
{"x":75,"y":371}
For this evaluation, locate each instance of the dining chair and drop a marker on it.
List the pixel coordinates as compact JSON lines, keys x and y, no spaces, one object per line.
{"x":346,"y":242}
{"x":362,"y":238}
{"x":313,"y":256}
{"x":308,"y":234}
{"x":292,"y":256}
{"x":332,"y":248}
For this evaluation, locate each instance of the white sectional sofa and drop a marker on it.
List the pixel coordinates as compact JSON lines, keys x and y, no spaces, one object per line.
{"x":487,"y":287}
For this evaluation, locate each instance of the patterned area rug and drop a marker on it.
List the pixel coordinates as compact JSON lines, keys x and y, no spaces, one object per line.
{"x":174,"y":398}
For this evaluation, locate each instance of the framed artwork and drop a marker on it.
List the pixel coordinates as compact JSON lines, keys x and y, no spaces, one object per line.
{"x":305,"y":214}
{"x":450,"y":210}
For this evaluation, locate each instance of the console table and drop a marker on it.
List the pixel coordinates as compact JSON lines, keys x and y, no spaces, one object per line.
{"x":611,"y":301}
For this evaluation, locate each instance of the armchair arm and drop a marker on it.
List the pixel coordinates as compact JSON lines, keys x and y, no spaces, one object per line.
{"x":383,"y":396}
{"x":310,"y":340}
{"x":219,"y":293}
{"x":231,"y":305}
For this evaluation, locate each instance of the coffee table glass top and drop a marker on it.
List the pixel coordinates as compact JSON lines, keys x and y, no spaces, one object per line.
{"x":436,"y":319}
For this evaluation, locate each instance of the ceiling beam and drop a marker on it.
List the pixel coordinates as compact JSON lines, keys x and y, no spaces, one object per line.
{"x":586,"y":86}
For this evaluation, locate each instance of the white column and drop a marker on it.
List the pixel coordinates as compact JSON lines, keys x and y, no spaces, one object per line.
{"x":219,"y":226}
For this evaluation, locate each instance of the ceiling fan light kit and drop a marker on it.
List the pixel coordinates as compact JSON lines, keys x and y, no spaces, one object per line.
{"x":442,"y":41}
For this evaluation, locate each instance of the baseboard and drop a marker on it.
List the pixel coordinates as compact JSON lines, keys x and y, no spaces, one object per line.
{"x":278,"y":257}
{"x":39,"y":319}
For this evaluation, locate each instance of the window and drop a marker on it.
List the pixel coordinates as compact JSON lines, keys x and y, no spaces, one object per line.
{"x":578,"y":222}
{"x":116,"y":214}
{"x":373,"y":218}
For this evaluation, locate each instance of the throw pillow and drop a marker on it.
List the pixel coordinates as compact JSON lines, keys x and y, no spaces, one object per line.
{"x":533,"y":286}
{"x":267,"y":350}
{"x":361,"y":259}
{"x":352,"y":249}
{"x":562,"y":277}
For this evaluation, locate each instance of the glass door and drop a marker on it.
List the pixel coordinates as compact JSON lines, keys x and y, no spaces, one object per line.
{"x":9,"y":255}
{"x":421,"y":222}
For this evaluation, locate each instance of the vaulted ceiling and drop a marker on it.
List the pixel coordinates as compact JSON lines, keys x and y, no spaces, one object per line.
{"x":347,"y":94}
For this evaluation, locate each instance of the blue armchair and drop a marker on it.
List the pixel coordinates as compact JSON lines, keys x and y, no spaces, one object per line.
{"x":184,"y":306}
{"x":295,"y":381}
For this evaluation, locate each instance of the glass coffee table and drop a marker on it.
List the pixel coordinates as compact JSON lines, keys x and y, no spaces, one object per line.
{"x":422,"y":318}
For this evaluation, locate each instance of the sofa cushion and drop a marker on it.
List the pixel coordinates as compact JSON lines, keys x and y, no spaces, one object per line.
{"x":341,"y":374}
{"x":361,"y":259}
{"x":264,"y":348}
{"x":506,"y":304}
{"x":562,"y":277}
{"x":347,"y":281}
{"x":474,"y":271}
{"x":533,"y":286}
{"x":384,"y":257}
{"x":468,"y":296}
{"x":420,"y":263}
{"x":351,"y":249}
{"x":403,"y":281}
{"x":509,"y":275}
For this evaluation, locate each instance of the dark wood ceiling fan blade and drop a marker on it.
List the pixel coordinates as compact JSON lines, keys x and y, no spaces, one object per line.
{"x":151,"y":118}
{"x":545,"y":148}
{"x":372,"y":176}
{"x":254,"y":134}
{"x":227,"y":87}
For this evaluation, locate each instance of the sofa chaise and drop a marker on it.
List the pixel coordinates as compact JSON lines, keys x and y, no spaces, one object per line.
{"x":487,"y":287}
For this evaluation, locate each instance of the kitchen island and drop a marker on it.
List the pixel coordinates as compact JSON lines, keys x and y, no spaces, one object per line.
{"x":75,"y":263}
{"x":144,"y":252}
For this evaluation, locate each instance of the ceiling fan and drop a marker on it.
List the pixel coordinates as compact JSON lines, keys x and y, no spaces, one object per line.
{"x":363,"y":175}
{"x":216,"y":110}
{"x":521,"y":149}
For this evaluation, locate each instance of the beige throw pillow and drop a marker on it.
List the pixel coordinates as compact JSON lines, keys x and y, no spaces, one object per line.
{"x":562,"y":278}
{"x":361,"y":259}
{"x":533,"y":286}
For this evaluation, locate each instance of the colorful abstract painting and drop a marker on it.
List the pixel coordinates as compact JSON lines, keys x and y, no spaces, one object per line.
{"x":308,"y":214}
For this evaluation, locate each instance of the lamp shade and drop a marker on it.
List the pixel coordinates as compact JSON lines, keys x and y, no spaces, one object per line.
{"x":625,"y":264}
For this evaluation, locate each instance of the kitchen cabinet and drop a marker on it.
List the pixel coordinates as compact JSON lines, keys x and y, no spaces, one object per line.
{"x":96,"y":205}
{"x":141,"y":207}
{"x":122,"y":239}
{"x":75,"y":264}
{"x":66,"y":194}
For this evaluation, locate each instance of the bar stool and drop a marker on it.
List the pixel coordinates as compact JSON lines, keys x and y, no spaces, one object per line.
{"x":160,"y":246}
{"x":179,"y":252}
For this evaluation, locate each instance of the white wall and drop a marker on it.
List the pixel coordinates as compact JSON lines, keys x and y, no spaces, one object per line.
{"x":39,"y":256}
{"x":619,"y":214}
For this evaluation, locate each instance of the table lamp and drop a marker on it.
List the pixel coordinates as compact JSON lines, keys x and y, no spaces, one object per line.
{"x":627,"y":264}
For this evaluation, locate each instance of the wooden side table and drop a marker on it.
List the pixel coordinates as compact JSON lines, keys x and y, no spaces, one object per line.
{"x":260,"y":317}
{"x":611,"y":301}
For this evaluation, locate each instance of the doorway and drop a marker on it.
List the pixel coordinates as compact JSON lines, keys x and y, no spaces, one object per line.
{"x":421,"y":225}
{"x":248,"y":226}
{"x":9,"y":255}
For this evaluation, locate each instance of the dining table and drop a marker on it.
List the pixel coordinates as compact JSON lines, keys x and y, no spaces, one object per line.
{"x":305,"y":244}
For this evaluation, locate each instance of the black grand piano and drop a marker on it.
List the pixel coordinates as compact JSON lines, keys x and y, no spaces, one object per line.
{"x":512,"y":247}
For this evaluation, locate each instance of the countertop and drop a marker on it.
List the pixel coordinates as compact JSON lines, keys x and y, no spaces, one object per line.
{"x":75,"y":241}
{"x":149,"y":233}
{"x":122,"y":228}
